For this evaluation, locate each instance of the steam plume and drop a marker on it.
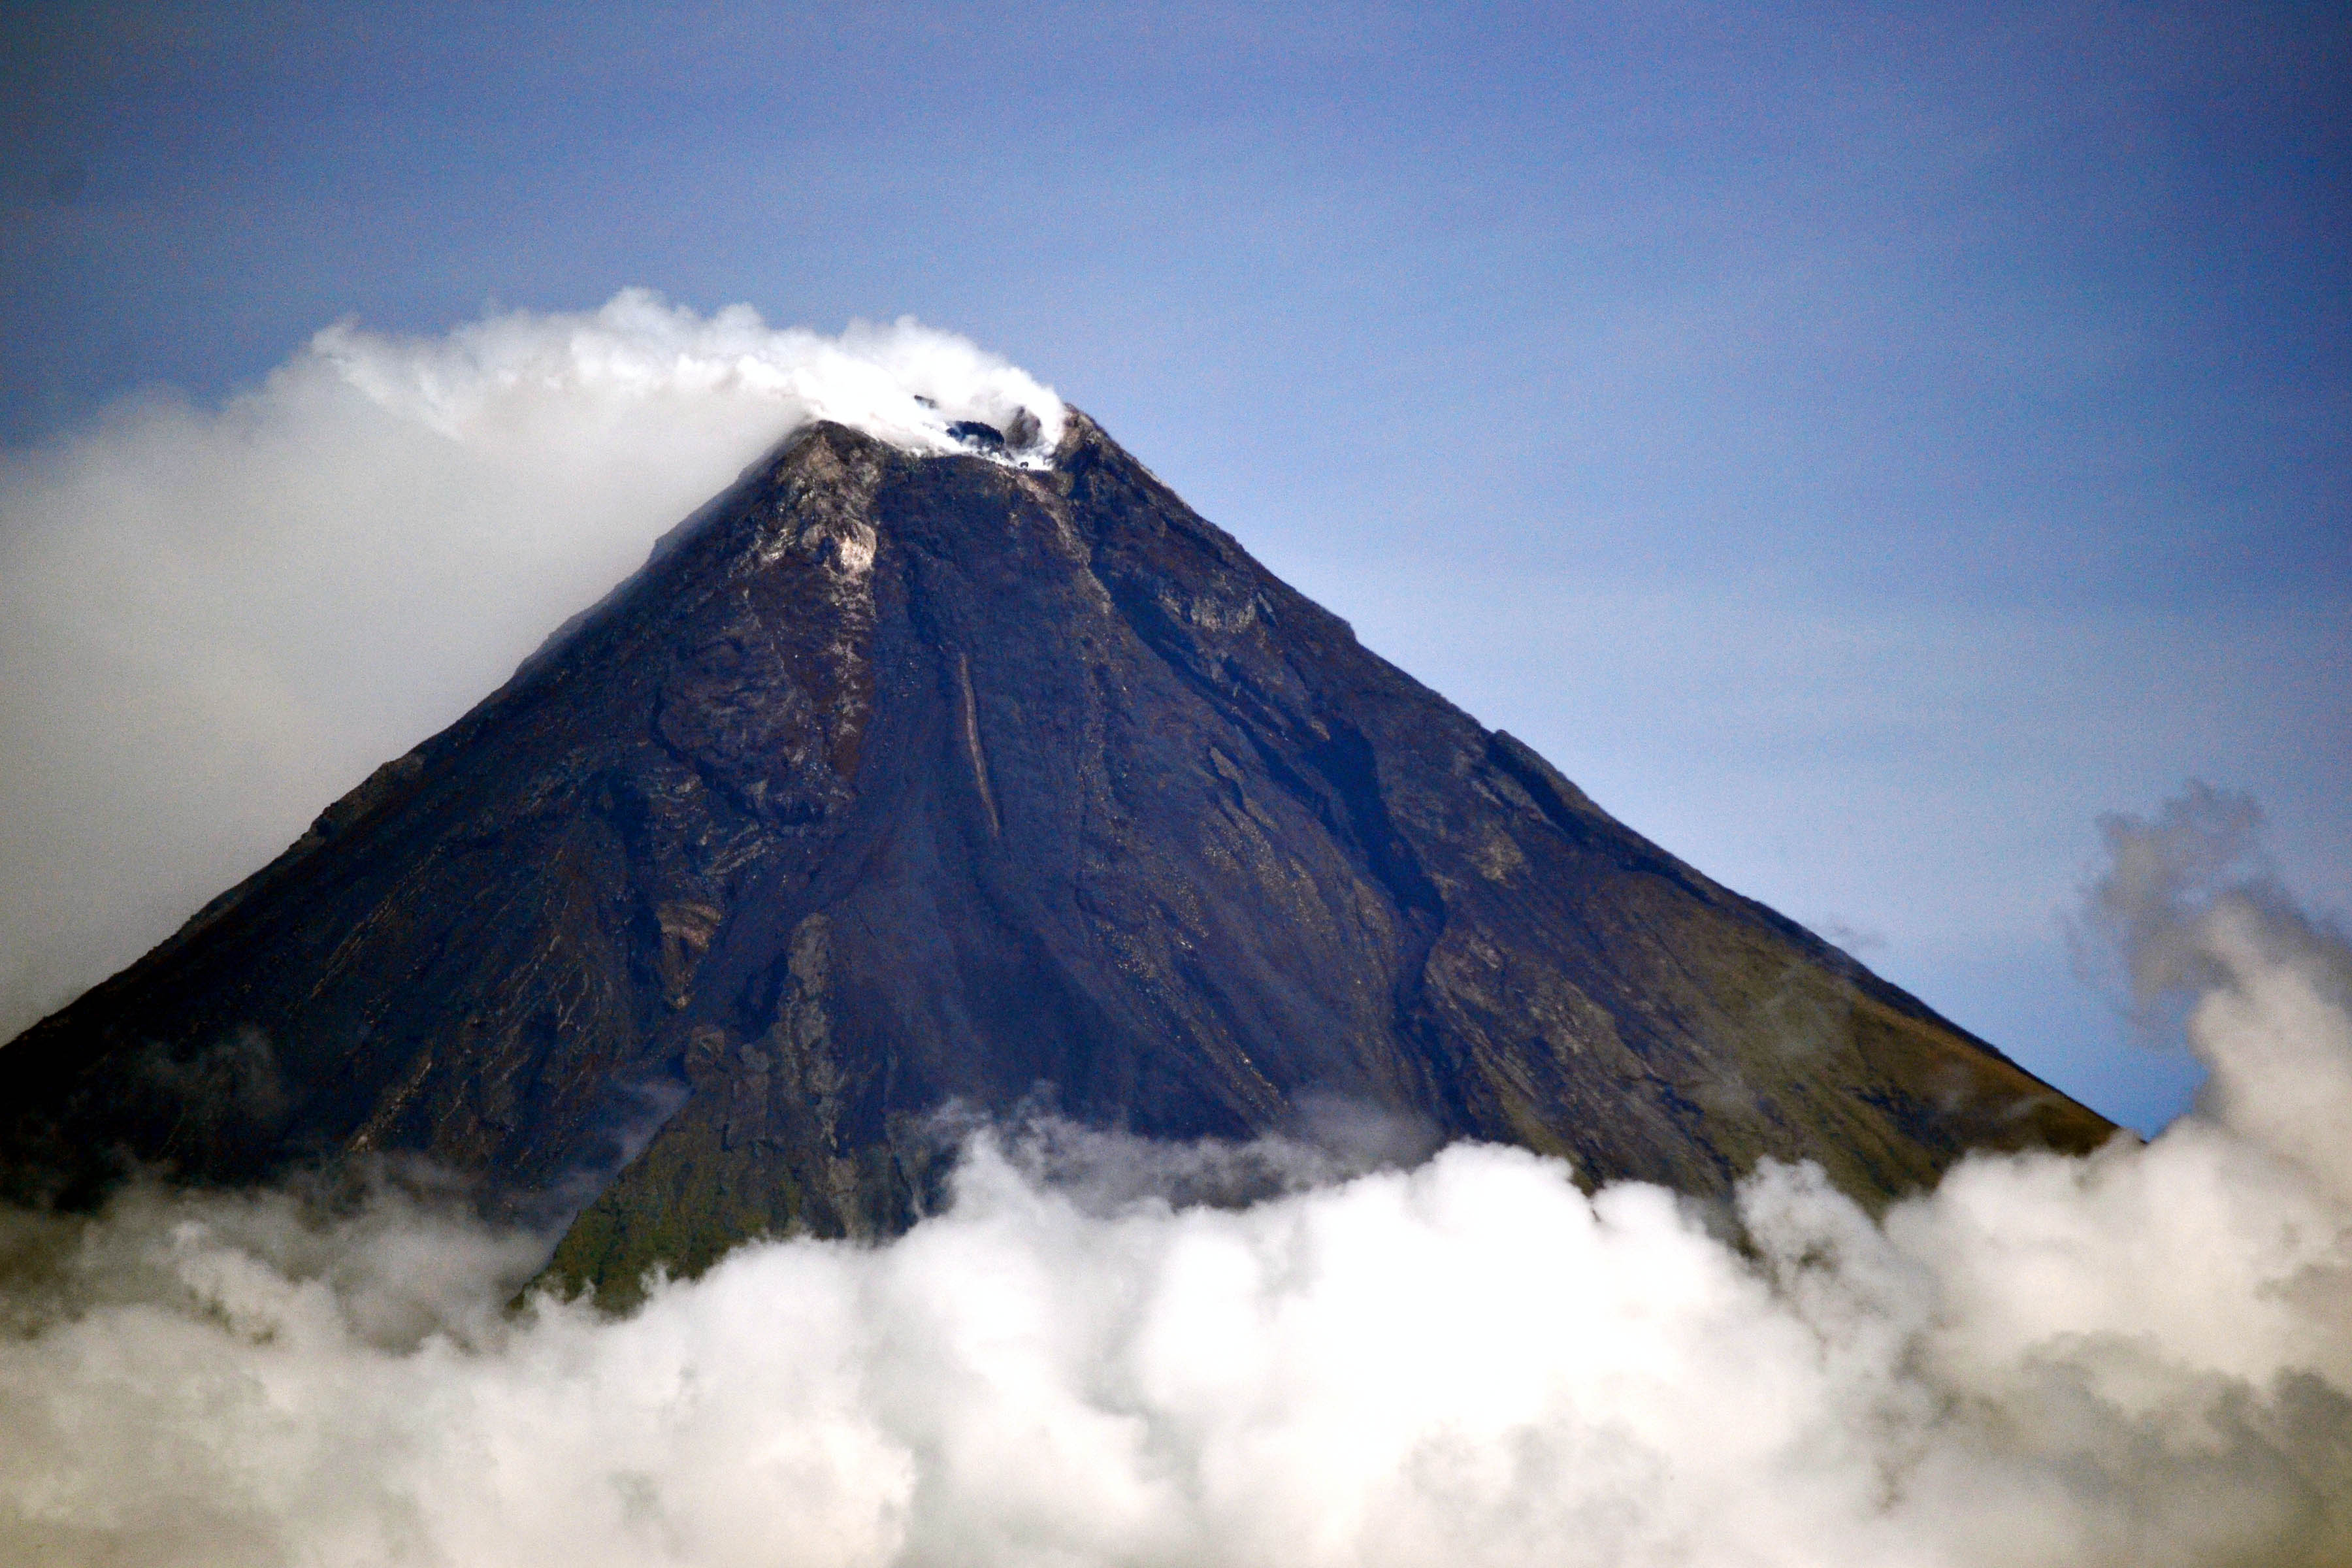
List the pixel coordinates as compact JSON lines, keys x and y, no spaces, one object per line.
{"x":213,"y":622}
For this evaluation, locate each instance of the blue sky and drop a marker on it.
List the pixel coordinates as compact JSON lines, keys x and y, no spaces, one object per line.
{"x":1860,"y":445}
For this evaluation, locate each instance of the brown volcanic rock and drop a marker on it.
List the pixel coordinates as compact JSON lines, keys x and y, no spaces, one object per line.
{"x":895,"y":781}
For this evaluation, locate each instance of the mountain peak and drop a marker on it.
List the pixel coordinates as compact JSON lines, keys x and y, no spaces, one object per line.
{"x":978,"y":773}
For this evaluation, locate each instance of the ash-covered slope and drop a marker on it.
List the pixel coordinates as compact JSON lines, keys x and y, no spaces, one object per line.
{"x":898,"y":780}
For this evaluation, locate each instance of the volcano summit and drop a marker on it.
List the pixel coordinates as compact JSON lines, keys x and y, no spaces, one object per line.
{"x":986,"y":774}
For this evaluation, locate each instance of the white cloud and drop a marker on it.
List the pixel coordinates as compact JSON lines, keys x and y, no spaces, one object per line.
{"x":2140,"y":1358}
{"x":213,"y":622}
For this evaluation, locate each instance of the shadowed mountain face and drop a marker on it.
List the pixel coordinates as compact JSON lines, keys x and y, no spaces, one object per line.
{"x":898,"y":782}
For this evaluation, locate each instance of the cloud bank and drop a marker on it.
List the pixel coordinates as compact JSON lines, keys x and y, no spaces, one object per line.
{"x":213,"y":622}
{"x":2143,"y":1357}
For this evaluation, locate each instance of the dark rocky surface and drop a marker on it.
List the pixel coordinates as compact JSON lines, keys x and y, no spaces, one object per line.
{"x":895,"y":782}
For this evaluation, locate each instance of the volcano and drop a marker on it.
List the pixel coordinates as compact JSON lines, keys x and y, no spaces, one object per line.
{"x":985,"y":780}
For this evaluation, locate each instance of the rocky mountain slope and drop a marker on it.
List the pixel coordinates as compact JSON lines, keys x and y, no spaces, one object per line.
{"x":895,"y":782}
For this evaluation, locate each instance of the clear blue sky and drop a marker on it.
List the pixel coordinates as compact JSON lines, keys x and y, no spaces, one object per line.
{"x":1859,"y":443}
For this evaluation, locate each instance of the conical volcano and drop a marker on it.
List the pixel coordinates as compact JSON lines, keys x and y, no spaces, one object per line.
{"x":897,"y":782}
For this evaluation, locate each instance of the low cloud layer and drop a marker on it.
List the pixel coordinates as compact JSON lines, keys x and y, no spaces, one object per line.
{"x":213,"y":622}
{"x":2143,"y":1357}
